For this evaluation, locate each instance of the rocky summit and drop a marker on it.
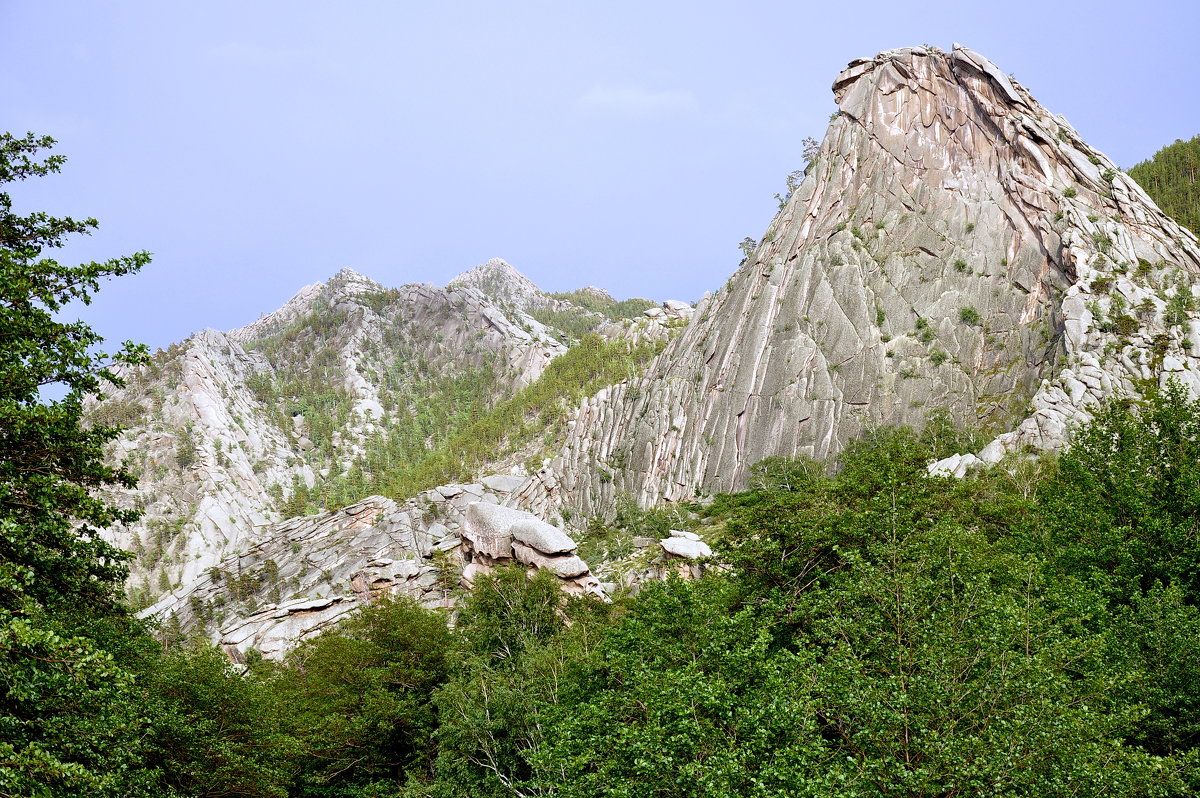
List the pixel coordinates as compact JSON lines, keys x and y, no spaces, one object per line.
{"x":953,"y":245}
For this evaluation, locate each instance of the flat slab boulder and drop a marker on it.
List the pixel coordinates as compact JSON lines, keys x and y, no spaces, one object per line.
{"x":449,"y":491}
{"x":563,"y":565}
{"x":472,"y":573}
{"x":544,"y":537}
{"x":688,"y":549}
{"x":503,"y":483}
{"x":487,"y":528}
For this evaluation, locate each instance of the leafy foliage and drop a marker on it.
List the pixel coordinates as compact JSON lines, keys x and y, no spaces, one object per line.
{"x":598,"y":302}
{"x":1172,"y":179}
{"x":212,"y":732}
{"x":1033,"y":630}
{"x":64,"y":725}
{"x":877,"y":632}
{"x":359,"y":701}
{"x":683,"y":696}
{"x":513,"y":653}
{"x":587,"y":310}
{"x":585,"y":368}
{"x":48,"y":464}
{"x":1145,"y":463}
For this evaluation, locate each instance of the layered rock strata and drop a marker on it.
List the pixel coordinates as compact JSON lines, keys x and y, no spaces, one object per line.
{"x":303,"y":575}
{"x":224,"y":426}
{"x":494,"y":535}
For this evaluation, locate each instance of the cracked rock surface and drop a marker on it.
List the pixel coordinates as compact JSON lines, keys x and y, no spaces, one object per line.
{"x":303,"y":575}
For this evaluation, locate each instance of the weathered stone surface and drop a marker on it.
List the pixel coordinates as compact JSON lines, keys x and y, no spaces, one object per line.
{"x":683,"y":533}
{"x":500,"y":281}
{"x":449,"y":491}
{"x":953,"y":245}
{"x":956,"y":465}
{"x":563,"y":565}
{"x":307,"y":573}
{"x":686,"y":548}
{"x":211,"y":399}
{"x":503,"y":483}
{"x":544,"y":537}
{"x":488,"y":529}
{"x":471,"y":573}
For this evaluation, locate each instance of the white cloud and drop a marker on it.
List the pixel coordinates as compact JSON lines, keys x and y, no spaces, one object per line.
{"x":634,"y":101}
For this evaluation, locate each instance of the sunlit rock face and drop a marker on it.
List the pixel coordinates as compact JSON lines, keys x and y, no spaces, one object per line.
{"x":300,"y":577}
{"x":953,"y":245}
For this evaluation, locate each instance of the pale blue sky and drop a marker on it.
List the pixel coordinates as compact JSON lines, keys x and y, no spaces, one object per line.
{"x":255,"y":147}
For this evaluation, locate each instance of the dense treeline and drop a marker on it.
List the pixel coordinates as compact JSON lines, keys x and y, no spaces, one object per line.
{"x":577,"y":321}
{"x":1031,"y":630}
{"x":1172,"y":179}
{"x":449,"y":432}
{"x":536,"y":410}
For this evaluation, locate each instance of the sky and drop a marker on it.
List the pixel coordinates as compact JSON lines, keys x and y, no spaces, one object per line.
{"x":255,"y":147}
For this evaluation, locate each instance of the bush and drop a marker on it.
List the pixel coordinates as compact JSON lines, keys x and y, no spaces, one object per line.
{"x":359,"y":700}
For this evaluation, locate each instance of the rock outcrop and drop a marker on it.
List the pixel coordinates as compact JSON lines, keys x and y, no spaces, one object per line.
{"x":500,"y":282}
{"x":303,"y":575}
{"x":953,"y":245}
{"x":495,"y":535}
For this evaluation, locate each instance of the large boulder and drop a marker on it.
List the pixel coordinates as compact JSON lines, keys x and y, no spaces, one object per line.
{"x":503,"y":483}
{"x":688,"y":549}
{"x":487,"y":529}
{"x":544,"y":537}
{"x":565,"y":566}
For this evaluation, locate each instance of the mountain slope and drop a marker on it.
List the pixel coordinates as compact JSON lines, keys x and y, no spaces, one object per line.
{"x":953,"y":247}
{"x":1172,"y":178}
{"x":232,"y":431}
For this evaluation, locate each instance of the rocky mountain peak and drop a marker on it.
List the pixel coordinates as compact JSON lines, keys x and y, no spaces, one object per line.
{"x":350,"y":282}
{"x":953,"y":245}
{"x":343,"y":285}
{"x":598,"y":293}
{"x":498,"y":280}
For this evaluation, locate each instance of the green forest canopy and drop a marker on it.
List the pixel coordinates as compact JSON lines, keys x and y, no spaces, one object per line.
{"x":1172,"y":179}
{"x":1032,"y":630}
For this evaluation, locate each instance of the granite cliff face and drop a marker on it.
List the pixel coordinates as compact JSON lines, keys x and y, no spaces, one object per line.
{"x":953,"y":244}
{"x":230,"y":428}
{"x":302,"y":575}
